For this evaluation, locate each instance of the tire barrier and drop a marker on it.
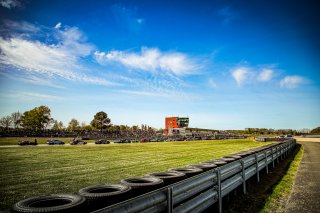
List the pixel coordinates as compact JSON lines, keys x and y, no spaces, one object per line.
{"x":141,"y":185}
{"x":189,"y":171}
{"x":197,"y":193}
{"x":217,"y":162}
{"x":228,"y":159}
{"x":100,"y":196}
{"x":204,"y":166}
{"x":51,"y":203}
{"x":234,"y":156}
{"x":169,"y":177}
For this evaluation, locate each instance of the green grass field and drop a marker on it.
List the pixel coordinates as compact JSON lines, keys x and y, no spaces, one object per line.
{"x":277,"y":201}
{"x":41,"y":170}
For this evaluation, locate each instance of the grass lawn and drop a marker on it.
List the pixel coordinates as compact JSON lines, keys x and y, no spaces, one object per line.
{"x":277,"y":201}
{"x":41,"y":170}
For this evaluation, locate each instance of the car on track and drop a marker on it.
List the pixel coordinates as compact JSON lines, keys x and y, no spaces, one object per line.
{"x":26,"y":143}
{"x":122,"y":141}
{"x":78,"y":142}
{"x":143,"y":140}
{"x":102,"y":141}
{"x":55,"y":142}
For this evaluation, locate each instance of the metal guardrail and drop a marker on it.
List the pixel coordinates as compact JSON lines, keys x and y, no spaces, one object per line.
{"x":197,"y":193}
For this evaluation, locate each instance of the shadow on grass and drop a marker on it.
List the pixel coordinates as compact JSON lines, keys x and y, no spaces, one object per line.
{"x":257,"y":193}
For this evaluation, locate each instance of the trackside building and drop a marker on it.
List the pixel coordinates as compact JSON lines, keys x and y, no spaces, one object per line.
{"x":176,"y":125}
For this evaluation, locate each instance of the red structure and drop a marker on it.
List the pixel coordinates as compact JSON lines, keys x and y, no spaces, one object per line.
{"x":172,"y":123}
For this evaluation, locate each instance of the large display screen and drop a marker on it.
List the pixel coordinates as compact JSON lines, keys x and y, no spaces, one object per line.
{"x":183,"y":122}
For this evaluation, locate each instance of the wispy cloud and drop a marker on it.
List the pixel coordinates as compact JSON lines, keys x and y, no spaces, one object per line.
{"x":212,"y":83}
{"x":248,"y":75}
{"x":240,"y":75}
{"x":145,"y":93}
{"x":32,"y":79}
{"x":31,"y":96}
{"x":20,"y":27}
{"x":58,"y":25}
{"x":10,"y":3}
{"x":40,"y":96}
{"x":60,"y":59}
{"x":151,"y":60}
{"x":292,"y":81}
{"x":265,"y":75}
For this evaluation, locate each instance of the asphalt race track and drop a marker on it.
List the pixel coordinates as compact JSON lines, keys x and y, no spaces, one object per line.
{"x":305,"y":196}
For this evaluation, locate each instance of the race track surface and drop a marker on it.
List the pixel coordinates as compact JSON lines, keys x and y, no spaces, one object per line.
{"x":305,"y":196}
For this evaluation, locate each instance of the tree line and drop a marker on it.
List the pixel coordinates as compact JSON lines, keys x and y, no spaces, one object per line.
{"x":39,"y":119}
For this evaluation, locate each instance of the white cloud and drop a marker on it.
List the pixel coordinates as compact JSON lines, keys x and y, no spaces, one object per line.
{"x":40,"y":96}
{"x":144,"y":93}
{"x":21,"y":26}
{"x":54,"y":60}
{"x":32,"y":79}
{"x":240,"y":75}
{"x":58,"y":25}
{"x":73,"y":41}
{"x":292,"y":81}
{"x":265,"y":75}
{"x":30,"y":96}
{"x":10,"y":3}
{"x":212,"y":83}
{"x":152,"y":60}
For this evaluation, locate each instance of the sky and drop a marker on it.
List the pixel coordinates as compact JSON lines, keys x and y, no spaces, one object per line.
{"x":224,"y":64}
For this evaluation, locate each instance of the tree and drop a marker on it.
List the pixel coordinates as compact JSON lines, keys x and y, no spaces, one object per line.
{"x":57,"y":125}
{"x":114,"y":128}
{"x":73,"y":124}
{"x":123,"y":127}
{"x":135,"y":128}
{"x":6,"y":121}
{"x":316,"y":130}
{"x":36,"y":119}
{"x":101,"y":120}
{"x":16,"y":119}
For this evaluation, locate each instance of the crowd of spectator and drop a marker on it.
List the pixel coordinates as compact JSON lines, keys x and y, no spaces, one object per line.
{"x":94,"y":134}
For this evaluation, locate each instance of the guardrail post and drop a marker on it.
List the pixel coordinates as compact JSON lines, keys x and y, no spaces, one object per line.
{"x":257,"y":167}
{"x":278,"y":154}
{"x":272,"y":154}
{"x":219,"y":190}
{"x":243,"y":177}
{"x":169,"y":200}
{"x":285,"y":151}
{"x":266,"y":159}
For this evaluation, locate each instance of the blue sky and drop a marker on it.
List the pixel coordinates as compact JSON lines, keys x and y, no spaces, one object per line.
{"x":225,"y":64}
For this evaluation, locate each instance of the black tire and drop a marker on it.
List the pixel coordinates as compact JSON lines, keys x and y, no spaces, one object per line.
{"x":169,"y":177}
{"x":204,"y":166}
{"x":51,"y":203}
{"x":219,"y":162}
{"x":189,"y":171}
{"x":141,"y":185}
{"x":242,"y":154}
{"x":228,"y":160}
{"x":100,"y":196}
{"x":237,"y":157}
